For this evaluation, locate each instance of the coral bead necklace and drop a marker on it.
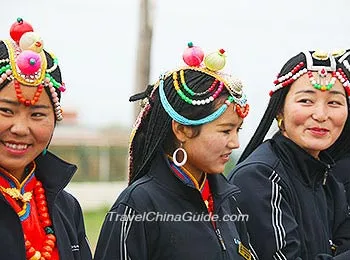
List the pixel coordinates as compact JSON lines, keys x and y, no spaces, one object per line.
{"x":45,"y":221}
{"x":32,"y":202}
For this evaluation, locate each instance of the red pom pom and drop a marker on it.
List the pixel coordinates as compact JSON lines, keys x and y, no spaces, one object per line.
{"x":18,"y":28}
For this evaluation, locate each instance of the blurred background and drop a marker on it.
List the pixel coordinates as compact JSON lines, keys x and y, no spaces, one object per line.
{"x":109,"y":50}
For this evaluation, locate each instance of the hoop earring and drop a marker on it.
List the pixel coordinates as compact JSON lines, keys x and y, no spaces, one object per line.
{"x":279,"y":122}
{"x":184,"y":160}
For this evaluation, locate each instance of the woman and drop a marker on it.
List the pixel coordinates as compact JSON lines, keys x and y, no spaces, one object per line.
{"x":340,"y":151}
{"x":178,"y":204}
{"x":38,"y":219}
{"x":296,"y":208}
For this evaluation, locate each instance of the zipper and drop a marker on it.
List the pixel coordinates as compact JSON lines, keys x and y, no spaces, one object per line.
{"x":325,"y":175}
{"x":221,"y":240}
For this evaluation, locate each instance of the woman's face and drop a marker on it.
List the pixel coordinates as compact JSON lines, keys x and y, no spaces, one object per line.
{"x":211,"y":149}
{"x":314,"y":119}
{"x":24,"y":131}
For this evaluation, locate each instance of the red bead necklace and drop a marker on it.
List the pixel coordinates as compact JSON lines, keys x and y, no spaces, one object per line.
{"x":45,"y":221}
{"x":27,"y":102}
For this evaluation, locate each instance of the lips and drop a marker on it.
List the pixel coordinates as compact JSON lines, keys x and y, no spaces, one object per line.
{"x":15,"y":148}
{"x":319,"y":131}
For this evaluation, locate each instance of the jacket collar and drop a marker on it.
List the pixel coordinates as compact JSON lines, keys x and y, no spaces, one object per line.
{"x":161,"y":171}
{"x":53,"y":172}
{"x":307,"y":168}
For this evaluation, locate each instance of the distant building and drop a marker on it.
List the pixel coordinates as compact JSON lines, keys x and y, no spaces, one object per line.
{"x":100,"y":154}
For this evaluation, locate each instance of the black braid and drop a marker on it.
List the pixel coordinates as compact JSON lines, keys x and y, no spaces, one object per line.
{"x":155,"y":133}
{"x":274,"y":107}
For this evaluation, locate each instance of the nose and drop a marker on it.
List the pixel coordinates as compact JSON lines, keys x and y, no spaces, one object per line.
{"x":320,"y":113}
{"x":20,"y":127}
{"x":234,"y":141}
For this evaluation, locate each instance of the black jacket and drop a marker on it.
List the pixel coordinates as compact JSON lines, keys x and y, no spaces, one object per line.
{"x":161,"y":193}
{"x":64,"y":210}
{"x":342,"y":172}
{"x":292,"y":215}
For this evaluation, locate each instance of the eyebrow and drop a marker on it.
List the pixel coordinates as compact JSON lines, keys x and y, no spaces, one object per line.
{"x":16,"y":103}
{"x":230,"y":124}
{"x":336,"y":92}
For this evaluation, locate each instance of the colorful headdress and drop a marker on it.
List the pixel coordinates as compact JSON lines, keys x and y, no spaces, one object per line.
{"x":317,"y":61}
{"x":27,"y":65}
{"x":213,"y":62}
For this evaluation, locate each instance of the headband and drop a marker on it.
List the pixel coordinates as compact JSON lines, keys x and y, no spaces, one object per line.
{"x":27,"y":65}
{"x":193,"y":56}
{"x":320,"y":62}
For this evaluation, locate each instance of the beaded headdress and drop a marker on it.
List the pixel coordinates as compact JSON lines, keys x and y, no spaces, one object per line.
{"x":316,"y":61}
{"x":27,"y":65}
{"x":178,"y":83}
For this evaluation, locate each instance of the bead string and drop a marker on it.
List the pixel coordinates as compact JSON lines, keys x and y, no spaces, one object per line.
{"x":24,"y":101}
{"x":45,"y":221}
{"x":319,"y":85}
{"x":193,"y":101}
{"x":240,"y":113}
{"x":190,"y":91}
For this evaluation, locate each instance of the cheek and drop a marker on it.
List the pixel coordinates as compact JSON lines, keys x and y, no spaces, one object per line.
{"x":296,"y":117}
{"x":340,"y":118}
{"x":43,"y":131}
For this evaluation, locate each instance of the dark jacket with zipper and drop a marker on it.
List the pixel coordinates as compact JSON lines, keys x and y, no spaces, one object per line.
{"x":297,"y":209}
{"x":160,"y":193}
{"x":342,"y":172}
{"x":65,"y":213}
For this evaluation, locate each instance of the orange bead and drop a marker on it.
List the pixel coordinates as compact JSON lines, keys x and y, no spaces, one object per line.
{"x":47,"y":249}
{"x":30,"y":252}
{"x":27,"y":244}
{"x":47,"y":255}
{"x":51,"y":237}
{"x":50,"y":243}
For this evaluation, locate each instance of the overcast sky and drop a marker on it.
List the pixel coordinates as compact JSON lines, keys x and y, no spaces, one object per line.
{"x":95,"y":42}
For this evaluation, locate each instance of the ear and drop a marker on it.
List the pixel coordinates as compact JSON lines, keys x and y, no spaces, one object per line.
{"x":181,"y":132}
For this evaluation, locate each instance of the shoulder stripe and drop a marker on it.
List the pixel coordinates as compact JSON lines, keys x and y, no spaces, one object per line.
{"x":280,"y":233}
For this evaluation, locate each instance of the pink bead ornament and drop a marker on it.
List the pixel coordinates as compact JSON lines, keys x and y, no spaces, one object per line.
{"x":28,"y":62}
{"x":193,"y":55}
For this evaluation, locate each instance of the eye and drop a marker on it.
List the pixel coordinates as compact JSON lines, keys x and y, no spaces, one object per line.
{"x":6,"y":111}
{"x":38,"y":115}
{"x":226,"y":131}
{"x":335,"y":103}
{"x":305,"y":101}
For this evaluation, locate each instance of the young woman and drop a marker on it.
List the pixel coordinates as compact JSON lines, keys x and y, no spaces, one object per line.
{"x":178,"y":204}
{"x":340,"y":151}
{"x":38,"y":219}
{"x":296,"y":208}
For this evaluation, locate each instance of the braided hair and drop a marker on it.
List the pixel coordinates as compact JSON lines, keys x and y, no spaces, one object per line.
{"x":153,"y":132}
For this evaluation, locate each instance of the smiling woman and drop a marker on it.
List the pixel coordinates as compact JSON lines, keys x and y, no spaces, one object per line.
{"x":297,"y":209}
{"x":181,"y":142}
{"x":38,"y":219}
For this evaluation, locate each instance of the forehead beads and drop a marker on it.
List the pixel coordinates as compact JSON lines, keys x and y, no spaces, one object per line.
{"x":320,"y":62}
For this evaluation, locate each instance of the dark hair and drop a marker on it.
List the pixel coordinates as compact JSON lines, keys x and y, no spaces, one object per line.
{"x":275,"y":106}
{"x":155,"y":133}
{"x":342,"y":145}
{"x":273,"y":109}
{"x":56,"y":74}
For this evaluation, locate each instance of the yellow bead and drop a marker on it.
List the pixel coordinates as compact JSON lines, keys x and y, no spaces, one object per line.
{"x":36,"y":256}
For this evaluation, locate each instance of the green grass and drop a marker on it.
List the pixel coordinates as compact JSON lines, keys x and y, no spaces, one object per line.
{"x":93,"y":222}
